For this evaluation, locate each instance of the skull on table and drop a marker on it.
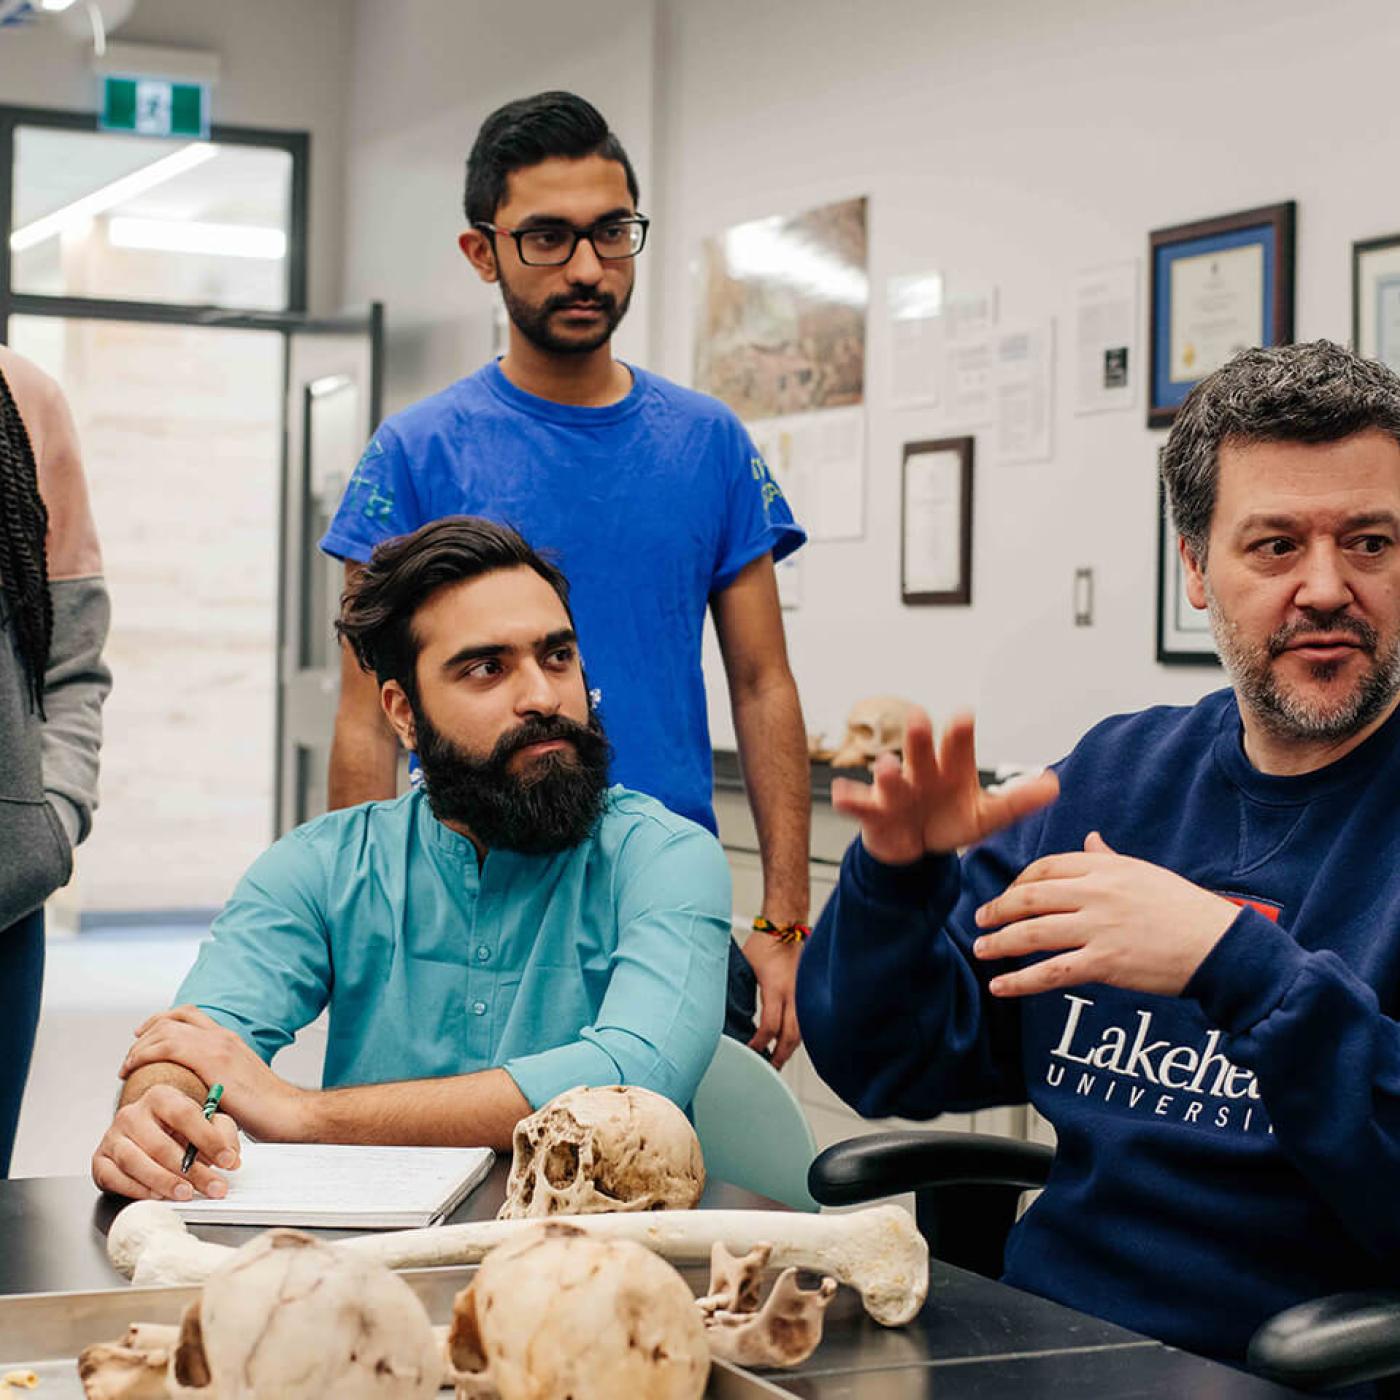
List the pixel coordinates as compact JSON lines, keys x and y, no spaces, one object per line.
{"x":874,"y":726}
{"x":290,"y":1316}
{"x":614,"y":1148}
{"x":556,"y":1313}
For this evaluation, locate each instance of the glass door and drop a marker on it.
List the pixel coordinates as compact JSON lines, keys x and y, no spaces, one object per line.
{"x":332,"y":408}
{"x":158,"y":282}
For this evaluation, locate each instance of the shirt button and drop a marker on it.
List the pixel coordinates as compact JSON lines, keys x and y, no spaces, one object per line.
{"x":478,"y":1008}
{"x":483,"y":954}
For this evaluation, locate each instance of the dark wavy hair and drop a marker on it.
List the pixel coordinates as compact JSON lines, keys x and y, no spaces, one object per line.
{"x":530,"y":130}
{"x":26,"y":606}
{"x":378,"y":606}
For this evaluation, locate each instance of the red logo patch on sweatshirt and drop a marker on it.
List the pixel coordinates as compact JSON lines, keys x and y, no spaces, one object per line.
{"x":1269,"y":911}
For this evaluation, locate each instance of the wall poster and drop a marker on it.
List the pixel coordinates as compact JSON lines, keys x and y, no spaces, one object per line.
{"x":780,"y":325}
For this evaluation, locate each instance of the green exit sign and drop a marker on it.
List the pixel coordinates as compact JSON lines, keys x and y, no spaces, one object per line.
{"x":155,"y":107}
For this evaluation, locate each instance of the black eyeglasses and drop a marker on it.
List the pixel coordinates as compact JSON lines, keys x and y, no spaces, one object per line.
{"x":552,"y":245}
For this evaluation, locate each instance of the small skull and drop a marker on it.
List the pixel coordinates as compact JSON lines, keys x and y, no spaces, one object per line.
{"x":592,"y":1150}
{"x":875,"y":726}
{"x":555,"y":1313}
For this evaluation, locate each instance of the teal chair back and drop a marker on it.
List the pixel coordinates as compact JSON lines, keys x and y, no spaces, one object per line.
{"x":752,"y":1129}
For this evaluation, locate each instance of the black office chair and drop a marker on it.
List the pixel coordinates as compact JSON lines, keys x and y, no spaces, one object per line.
{"x":967,"y":1188}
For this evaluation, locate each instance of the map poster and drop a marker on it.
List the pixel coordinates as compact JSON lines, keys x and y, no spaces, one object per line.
{"x":780,"y":321}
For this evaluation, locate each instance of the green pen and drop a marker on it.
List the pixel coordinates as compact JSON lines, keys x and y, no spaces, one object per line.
{"x":216,"y":1092}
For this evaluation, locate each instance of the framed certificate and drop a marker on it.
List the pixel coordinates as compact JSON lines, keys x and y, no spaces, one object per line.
{"x":935,"y":557}
{"x":1183,"y":632}
{"x":1375,"y":299}
{"x":1218,"y":287}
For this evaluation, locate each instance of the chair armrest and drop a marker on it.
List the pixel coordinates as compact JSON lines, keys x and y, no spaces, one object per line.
{"x":888,"y":1164}
{"x":1338,"y":1340}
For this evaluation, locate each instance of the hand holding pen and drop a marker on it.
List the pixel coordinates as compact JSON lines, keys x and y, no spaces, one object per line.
{"x":211,"y":1102}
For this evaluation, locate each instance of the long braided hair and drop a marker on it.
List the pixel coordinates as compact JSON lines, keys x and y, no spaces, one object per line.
{"x":25,"y":602}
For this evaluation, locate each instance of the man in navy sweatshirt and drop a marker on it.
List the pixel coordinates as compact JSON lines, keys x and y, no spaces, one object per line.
{"x":1183,"y":945}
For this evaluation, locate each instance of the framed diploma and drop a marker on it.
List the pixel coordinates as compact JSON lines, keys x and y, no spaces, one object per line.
{"x":1218,"y":287}
{"x":1375,"y":299}
{"x":1183,"y":633}
{"x":935,"y":557}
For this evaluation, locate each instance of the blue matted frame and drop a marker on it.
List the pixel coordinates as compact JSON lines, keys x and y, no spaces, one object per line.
{"x":1273,"y":227}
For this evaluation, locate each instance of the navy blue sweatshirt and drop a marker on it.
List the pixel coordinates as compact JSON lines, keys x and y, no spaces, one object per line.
{"x":1222,"y":1154}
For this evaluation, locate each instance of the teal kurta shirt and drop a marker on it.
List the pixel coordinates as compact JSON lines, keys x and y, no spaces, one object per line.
{"x":602,"y":964}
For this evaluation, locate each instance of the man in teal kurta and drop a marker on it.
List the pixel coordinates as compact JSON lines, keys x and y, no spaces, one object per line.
{"x":510,"y":930}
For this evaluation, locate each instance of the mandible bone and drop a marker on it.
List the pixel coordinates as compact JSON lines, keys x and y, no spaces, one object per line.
{"x":616,"y":1147}
{"x":783,"y":1331}
{"x":877,"y":1251}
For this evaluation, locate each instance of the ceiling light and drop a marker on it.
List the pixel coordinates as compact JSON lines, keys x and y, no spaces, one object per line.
{"x":193,"y":236}
{"x":54,"y":6}
{"x":100,"y":200}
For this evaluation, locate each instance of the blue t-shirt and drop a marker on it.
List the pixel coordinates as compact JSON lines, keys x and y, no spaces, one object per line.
{"x":649,"y":506}
{"x":1222,"y":1155}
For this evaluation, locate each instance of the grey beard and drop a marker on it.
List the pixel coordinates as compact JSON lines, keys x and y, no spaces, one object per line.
{"x":1289,"y":716}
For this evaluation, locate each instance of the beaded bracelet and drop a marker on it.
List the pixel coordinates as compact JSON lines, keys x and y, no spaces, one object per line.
{"x":784,"y":933}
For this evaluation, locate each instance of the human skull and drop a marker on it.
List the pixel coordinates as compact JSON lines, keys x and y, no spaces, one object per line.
{"x":557,"y":1313}
{"x":603,"y":1149}
{"x":874,"y":726}
{"x":289,"y":1317}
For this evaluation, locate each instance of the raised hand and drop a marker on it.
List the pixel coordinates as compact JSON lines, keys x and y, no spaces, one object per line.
{"x":933,"y":802}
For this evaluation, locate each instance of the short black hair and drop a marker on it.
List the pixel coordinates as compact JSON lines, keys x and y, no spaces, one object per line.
{"x":378,"y":606}
{"x":529,"y":130}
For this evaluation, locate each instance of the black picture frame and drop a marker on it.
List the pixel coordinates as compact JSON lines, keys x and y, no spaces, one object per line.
{"x":1273,"y":229}
{"x":1375,"y":290}
{"x":960,"y":595}
{"x":1179,"y":642}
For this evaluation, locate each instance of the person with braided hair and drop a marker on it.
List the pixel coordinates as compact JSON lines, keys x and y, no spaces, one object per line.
{"x":53,"y":622}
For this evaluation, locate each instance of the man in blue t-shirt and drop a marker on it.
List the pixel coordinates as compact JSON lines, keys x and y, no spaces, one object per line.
{"x":1189,"y":959}
{"x":650,"y":497}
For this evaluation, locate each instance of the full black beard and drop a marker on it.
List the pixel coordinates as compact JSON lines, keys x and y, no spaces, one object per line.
{"x":551,"y":807}
{"x":533,"y":321}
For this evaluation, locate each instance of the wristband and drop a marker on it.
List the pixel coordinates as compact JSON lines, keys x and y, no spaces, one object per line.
{"x":784,"y":933}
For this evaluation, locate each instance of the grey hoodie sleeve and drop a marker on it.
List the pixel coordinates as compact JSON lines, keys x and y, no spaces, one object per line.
{"x":75,"y":685}
{"x":48,"y":770}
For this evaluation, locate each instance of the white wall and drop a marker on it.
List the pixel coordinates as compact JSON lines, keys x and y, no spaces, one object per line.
{"x":284,"y":66}
{"x":426,"y":72}
{"x":1016,"y":143}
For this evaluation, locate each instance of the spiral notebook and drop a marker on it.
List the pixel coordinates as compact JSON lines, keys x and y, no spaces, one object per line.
{"x":319,"y":1184}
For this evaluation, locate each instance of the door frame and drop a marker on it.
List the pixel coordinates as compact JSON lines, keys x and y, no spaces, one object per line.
{"x":297,"y":144}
